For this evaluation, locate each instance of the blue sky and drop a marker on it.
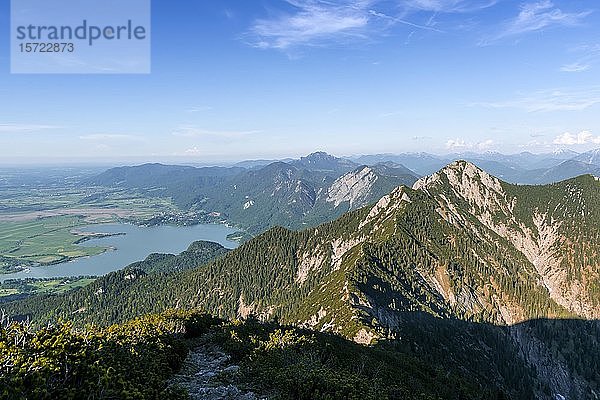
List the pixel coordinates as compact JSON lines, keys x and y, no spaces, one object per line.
{"x":259,"y":79}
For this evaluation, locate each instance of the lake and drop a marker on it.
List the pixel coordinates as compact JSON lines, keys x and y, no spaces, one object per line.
{"x":135,"y":245}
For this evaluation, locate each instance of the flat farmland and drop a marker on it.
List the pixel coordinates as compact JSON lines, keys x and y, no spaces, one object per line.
{"x":42,"y":241}
{"x":41,"y":215}
{"x":32,"y":287}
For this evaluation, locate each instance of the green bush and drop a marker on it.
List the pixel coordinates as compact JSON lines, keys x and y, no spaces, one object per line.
{"x":129,"y":361}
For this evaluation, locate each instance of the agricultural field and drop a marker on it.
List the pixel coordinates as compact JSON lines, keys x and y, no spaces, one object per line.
{"x":45,"y":229}
{"x":30,"y":287}
{"x":42,"y":213}
{"x":19,"y":203}
{"x":58,"y":191}
{"x":42,"y":241}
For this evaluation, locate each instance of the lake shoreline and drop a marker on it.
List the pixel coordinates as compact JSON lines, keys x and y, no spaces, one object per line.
{"x":130,"y":243}
{"x":85,"y":236}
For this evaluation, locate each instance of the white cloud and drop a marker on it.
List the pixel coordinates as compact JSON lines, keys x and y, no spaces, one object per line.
{"x":462,"y":145}
{"x":449,"y":6}
{"x":108,"y":136}
{"x":535,"y":16}
{"x":583,"y":137}
{"x":194,"y":151}
{"x":575,"y":67}
{"x":391,"y":114}
{"x":23,"y":128}
{"x":485,"y":145}
{"x":322,"y":22}
{"x":194,"y":132}
{"x":313,"y":22}
{"x":196,"y":109}
{"x":397,"y":20}
{"x":551,"y":100}
{"x":589,"y":56}
{"x":456,"y":144}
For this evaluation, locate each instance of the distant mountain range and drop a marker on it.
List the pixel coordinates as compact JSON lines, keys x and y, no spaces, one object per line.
{"x":257,"y":195}
{"x":497,"y":281}
{"x":292,"y":194}
{"x":523,"y":168}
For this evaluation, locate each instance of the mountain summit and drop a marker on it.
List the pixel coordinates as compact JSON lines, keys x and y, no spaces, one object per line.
{"x":549,"y":225}
{"x":321,"y":161}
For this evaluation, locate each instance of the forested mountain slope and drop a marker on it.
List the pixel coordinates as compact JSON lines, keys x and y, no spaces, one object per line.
{"x":459,"y":246}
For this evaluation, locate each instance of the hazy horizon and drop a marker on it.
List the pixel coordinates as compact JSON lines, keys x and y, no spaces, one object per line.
{"x":122,"y":161}
{"x":238,"y":80}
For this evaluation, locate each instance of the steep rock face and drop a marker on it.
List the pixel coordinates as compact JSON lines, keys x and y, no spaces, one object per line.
{"x":365,"y":185}
{"x":467,"y":182}
{"x":564,"y":383}
{"x":353,"y":187}
{"x":358,"y":188}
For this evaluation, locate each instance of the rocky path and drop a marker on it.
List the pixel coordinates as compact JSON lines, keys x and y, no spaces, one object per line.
{"x":209,"y":374}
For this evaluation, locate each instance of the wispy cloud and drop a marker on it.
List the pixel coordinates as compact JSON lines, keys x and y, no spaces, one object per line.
{"x":312,"y":22}
{"x":24,"y":128}
{"x":108,"y":136}
{"x":589,"y":55}
{"x":463,"y":145}
{"x":193,"y":151}
{"x":397,"y":20}
{"x":326,"y":22}
{"x":449,"y":6}
{"x":229,"y":14}
{"x":569,"y":139}
{"x":551,"y":100}
{"x":535,"y":16}
{"x":195,"y":132}
{"x":420,"y":138}
{"x":392,"y":114}
{"x":575,"y":67}
{"x":197,"y":109}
